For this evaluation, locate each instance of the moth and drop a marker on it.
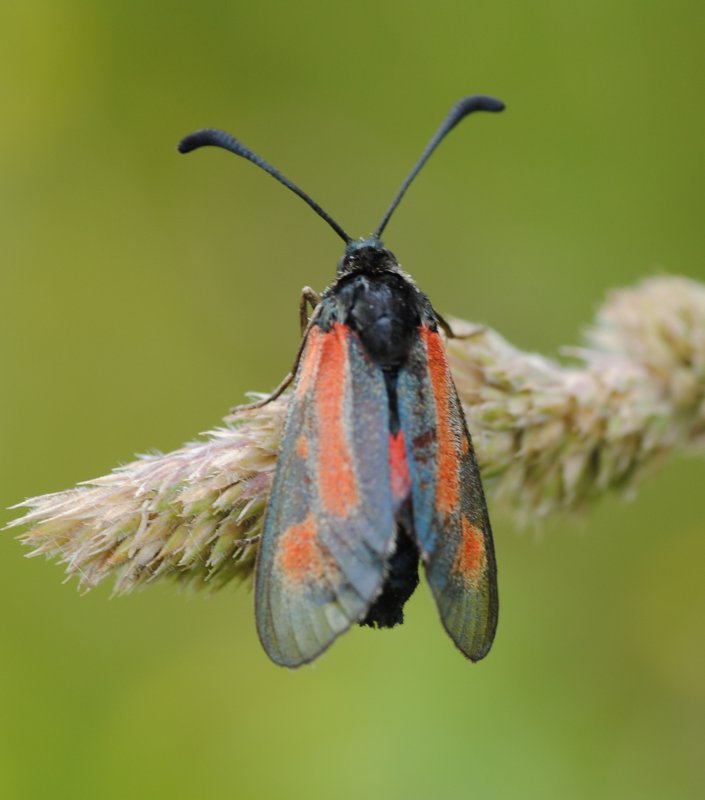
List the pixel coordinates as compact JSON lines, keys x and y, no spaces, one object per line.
{"x":376,"y":469}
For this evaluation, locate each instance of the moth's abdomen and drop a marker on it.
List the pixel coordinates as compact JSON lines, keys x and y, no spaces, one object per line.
{"x":402,"y":579}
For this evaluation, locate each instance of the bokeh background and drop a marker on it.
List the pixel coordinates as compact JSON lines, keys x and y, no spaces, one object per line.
{"x":143,"y":293}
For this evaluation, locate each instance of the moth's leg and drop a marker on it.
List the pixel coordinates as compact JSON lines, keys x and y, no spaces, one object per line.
{"x":451,"y":334}
{"x":268,"y":399}
{"x":312,"y":298}
{"x":308,"y":297}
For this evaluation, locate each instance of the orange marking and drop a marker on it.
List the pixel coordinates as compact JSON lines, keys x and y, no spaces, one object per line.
{"x":299,"y":554}
{"x":448,"y":466}
{"x":470,"y":558}
{"x":399,"y":467}
{"x":465,"y":446}
{"x":337,"y":484}
{"x":302,"y":446}
{"x":309,"y":360}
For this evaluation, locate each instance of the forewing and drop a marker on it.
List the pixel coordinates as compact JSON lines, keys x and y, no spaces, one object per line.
{"x":329,"y":525}
{"x":450,"y":514}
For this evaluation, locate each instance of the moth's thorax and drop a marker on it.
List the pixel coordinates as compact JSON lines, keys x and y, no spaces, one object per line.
{"x":384,"y":308}
{"x":378,"y":301}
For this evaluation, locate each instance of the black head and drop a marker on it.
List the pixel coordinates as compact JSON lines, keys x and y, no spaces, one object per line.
{"x":368,"y":255}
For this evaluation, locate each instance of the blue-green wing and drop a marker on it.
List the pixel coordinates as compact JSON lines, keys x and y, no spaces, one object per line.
{"x":329,"y":525}
{"x":451,"y":523}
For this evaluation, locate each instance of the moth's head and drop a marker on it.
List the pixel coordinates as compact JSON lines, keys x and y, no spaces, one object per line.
{"x":367,"y":256}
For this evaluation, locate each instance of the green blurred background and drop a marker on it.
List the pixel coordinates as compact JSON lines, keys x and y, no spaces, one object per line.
{"x":143,"y":293}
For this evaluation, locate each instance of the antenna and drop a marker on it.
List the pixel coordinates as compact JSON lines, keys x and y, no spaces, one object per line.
{"x":477,"y":102}
{"x":211,"y":137}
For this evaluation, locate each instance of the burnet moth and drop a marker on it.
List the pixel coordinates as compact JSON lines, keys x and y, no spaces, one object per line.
{"x":376,"y":466}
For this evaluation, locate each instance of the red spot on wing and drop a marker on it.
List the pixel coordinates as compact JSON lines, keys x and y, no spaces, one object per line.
{"x":448,"y":461}
{"x":471,"y":557}
{"x":309,"y":361}
{"x":337,"y":483}
{"x":300,"y":555}
{"x":302,"y":446}
{"x":399,"y":467}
